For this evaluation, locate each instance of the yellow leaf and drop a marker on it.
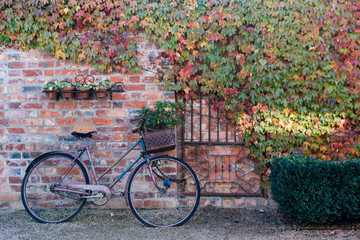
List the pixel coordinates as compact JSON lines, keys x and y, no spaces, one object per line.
{"x":66,"y":10}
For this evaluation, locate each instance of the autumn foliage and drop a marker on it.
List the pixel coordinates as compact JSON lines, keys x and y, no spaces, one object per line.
{"x":288,"y":71}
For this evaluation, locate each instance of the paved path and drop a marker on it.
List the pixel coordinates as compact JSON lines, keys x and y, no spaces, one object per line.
{"x":216,"y":224}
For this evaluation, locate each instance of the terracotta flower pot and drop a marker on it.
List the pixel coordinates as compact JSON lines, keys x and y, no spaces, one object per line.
{"x":101,"y":93}
{"x":82,"y":93}
{"x":68,"y":92}
{"x":51,"y":94}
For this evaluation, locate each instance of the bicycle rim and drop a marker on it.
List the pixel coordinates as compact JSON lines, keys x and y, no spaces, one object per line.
{"x":46,"y":206}
{"x":173,"y":207}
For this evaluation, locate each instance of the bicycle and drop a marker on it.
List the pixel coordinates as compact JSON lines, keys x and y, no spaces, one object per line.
{"x":57,"y":184}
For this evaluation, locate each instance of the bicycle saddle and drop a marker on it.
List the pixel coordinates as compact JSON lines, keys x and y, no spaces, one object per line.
{"x":84,"y":135}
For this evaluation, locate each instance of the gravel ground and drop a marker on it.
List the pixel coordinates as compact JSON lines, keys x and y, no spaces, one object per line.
{"x":213,"y":224}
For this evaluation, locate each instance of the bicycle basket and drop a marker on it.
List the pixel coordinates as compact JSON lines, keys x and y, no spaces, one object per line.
{"x":159,"y":141}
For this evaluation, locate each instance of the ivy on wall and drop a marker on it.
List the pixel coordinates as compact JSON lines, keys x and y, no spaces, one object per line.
{"x":287,"y":70}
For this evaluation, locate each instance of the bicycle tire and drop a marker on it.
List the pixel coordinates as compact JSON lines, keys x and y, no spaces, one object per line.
{"x":171,"y":208}
{"x":44,"y":205}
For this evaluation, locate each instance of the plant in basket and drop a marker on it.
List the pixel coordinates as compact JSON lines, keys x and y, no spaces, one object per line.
{"x":83,"y":90}
{"x":102,"y":87}
{"x":159,"y":122}
{"x":164,"y":115}
{"x":67,"y":89}
{"x":51,"y":90}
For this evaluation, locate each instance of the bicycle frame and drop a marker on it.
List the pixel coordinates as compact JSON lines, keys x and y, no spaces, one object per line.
{"x":103,"y":188}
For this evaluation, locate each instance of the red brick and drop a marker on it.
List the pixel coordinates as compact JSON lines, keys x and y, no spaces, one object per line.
{"x":85,"y":121}
{"x":118,"y":137}
{"x":32,"y":122}
{"x":16,"y":65}
{"x":118,"y":112}
{"x":32,"y":73}
{"x":50,"y":105}
{"x":48,"y":73}
{"x":31,"y":81}
{"x":49,"y":56}
{"x":67,"y":105}
{"x":121,"y":96}
{"x":32,"y":65}
{"x":85,"y":104}
{"x":50,"y":130}
{"x":116,"y":79}
{"x":135,"y":96}
{"x":65,"y":72}
{"x":14,"y":122}
{"x":15,"y":81}
{"x":135,"y":87}
{"x":14,"y":73}
{"x":135,"y":79}
{"x":15,"y":98}
{"x":131,"y":137}
{"x":15,"y":180}
{"x":152,"y":95}
{"x":102,"y":137}
{"x":66,"y":121}
{"x":83,"y":72}
{"x":32,"y":105}
{"x":48,"y":113}
{"x":14,"y":89}
{"x":119,"y":129}
{"x":135,"y":104}
{"x":100,"y":113}
{"x":102,"y":121}
{"x":17,"y":147}
{"x":148,"y":79}
{"x":15,"y":130}
{"x":31,"y":56}
{"x":101,"y":105}
{"x":4,"y":122}
{"x":15,"y":114}
{"x":16,"y":163}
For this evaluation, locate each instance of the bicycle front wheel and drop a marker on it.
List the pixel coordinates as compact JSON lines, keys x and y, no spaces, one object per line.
{"x":175,"y":203}
{"x":40,"y":200}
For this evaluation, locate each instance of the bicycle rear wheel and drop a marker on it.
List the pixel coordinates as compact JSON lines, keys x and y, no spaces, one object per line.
{"x":172,"y":207}
{"x":40,"y":201}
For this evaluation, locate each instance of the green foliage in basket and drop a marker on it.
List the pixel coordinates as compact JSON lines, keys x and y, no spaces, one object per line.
{"x":51,"y":86}
{"x":63,"y":84}
{"x":87,"y":86}
{"x":164,"y":115}
{"x":103,"y":84}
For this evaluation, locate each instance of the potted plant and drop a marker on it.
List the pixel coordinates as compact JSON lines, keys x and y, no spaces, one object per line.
{"x":101,"y":88}
{"x":67,"y":89}
{"x":51,"y":90}
{"x":83,"y":90}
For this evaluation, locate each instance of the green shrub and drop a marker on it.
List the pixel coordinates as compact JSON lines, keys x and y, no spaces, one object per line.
{"x":316,"y":191}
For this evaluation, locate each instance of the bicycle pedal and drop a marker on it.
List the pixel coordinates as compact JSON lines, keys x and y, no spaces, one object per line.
{"x":118,"y":194}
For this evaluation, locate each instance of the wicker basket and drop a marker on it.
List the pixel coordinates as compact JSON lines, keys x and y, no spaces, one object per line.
{"x":159,"y":141}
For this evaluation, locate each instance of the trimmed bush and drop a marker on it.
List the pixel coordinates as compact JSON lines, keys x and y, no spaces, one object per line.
{"x":316,"y":191}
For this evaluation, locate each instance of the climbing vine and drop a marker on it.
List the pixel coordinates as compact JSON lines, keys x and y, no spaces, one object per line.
{"x":288,"y":71}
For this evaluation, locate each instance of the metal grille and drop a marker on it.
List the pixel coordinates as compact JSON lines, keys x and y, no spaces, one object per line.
{"x":210,"y":144}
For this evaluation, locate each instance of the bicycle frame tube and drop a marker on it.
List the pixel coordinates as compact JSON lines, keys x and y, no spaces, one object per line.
{"x":140,"y":141}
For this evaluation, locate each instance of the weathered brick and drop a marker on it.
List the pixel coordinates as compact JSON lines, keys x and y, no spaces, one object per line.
{"x":134,"y":79}
{"x":67,"y":105}
{"x":49,"y":73}
{"x":15,"y":81}
{"x":135,"y":104}
{"x":32,"y":73}
{"x":26,"y":56}
{"x":101,"y":105}
{"x":50,"y":130}
{"x":14,"y":73}
{"x":156,"y":96}
{"x":16,"y":65}
{"x":102,"y":121}
{"x":66,"y":121}
{"x":13,"y":89}
{"x":135,"y":87}
{"x":15,"y":147}
{"x":32,"y":106}
{"x":48,"y":113}
{"x":15,"y":98}
{"x":15,"y":114}
{"x":118,"y":112}
{"x":32,"y":122}
{"x":65,"y":72}
{"x":15,"y":130}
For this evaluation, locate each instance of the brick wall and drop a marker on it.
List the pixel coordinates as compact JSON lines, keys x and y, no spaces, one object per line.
{"x":31,"y":124}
